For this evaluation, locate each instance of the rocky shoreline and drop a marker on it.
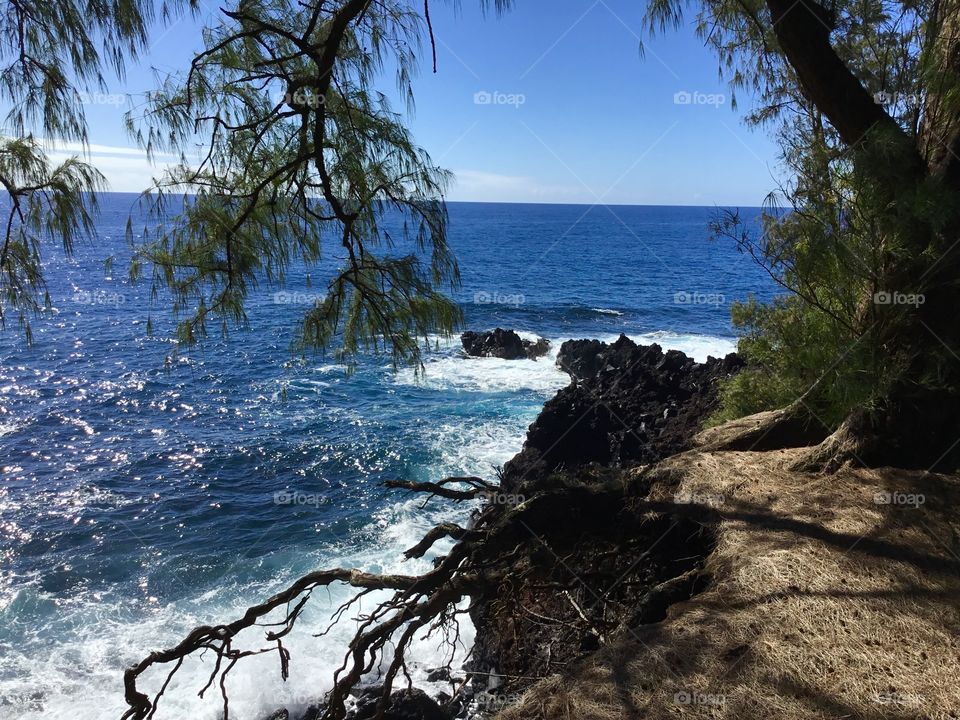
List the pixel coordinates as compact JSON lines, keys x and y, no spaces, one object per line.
{"x":593,"y":563}
{"x":627,"y":406}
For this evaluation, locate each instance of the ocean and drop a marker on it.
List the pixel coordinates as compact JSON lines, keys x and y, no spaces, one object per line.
{"x":139,"y":500}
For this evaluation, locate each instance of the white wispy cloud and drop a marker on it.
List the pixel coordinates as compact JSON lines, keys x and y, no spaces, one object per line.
{"x":127,"y":169}
{"x":75,"y":148}
{"x":482,"y":186}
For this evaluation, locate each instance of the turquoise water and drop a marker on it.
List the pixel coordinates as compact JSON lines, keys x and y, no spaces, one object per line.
{"x":138,"y":501}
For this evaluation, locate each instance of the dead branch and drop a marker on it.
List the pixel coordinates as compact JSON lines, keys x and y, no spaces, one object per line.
{"x":418,"y":601}
{"x":217,"y":637}
{"x":450,"y":530}
{"x":477,"y":487}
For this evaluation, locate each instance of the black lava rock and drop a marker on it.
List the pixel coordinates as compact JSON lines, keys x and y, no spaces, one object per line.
{"x":626,"y":404}
{"x":505,"y":344}
{"x":404,"y":705}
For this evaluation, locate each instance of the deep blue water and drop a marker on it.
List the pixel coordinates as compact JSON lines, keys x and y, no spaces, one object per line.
{"x":139,"y":500}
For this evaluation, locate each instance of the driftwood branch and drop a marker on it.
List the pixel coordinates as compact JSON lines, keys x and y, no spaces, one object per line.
{"x":418,"y":601}
{"x":218,"y":637}
{"x":425,"y":602}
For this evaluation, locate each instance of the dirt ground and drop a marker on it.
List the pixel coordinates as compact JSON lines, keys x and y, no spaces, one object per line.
{"x":832,"y":596}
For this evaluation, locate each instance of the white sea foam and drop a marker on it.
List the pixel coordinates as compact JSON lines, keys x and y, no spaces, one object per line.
{"x":699,"y":347}
{"x":451,"y":370}
{"x":489,"y":375}
{"x":477,"y":449}
{"x":607,"y":311}
{"x":90,"y":640}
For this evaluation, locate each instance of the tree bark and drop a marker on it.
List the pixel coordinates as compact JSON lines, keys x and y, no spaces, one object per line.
{"x":916,"y":421}
{"x":803,"y":30}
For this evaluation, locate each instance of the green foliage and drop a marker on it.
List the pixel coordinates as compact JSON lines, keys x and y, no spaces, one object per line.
{"x":826,"y":341}
{"x":794,"y":351}
{"x":845,"y":227}
{"x":303,"y":162}
{"x":42,"y":201}
{"x":54,"y":51}
{"x":51,"y":54}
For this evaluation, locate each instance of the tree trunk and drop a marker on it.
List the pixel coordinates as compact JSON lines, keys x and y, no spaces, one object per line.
{"x":917,"y":421}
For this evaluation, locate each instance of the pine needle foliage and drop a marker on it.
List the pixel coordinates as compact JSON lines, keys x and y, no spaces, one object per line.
{"x":53,"y":53}
{"x":855,"y":220}
{"x":302,"y":162}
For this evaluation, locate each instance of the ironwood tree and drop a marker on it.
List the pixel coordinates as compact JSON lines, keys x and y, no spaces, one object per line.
{"x":303,"y":158}
{"x":864,"y":98}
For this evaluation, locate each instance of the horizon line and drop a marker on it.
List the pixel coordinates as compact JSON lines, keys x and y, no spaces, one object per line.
{"x":544,"y":202}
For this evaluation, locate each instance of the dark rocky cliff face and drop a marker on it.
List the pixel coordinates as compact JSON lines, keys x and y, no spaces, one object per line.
{"x":626,"y":404}
{"x":598,"y":562}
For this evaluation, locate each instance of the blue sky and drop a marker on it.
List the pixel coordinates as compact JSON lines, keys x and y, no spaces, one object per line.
{"x":538,"y":105}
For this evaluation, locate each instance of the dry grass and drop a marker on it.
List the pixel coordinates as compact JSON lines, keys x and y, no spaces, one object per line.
{"x":824,"y":604}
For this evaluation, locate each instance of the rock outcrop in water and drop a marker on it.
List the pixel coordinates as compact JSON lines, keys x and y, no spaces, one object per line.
{"x":505,"y":344}
{"x":626,"y":404}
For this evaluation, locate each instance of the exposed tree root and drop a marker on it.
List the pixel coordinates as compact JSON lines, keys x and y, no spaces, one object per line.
{"x":653,"y":606}
{"x":439,"y":532}
{"x":506,"y":555}
{"x":790,"y":427}
{"x":478,"y":487}
{"x":419,"y":601}
{"x":218,"y":638}
{"x":912,"y":427}
{"x":850,"y":444}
